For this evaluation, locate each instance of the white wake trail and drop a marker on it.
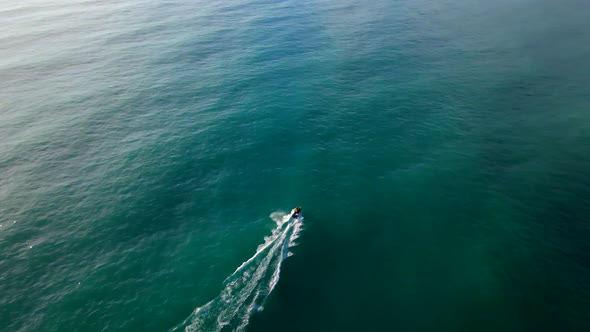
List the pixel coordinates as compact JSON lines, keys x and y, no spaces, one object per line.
{"x":247,"y":288}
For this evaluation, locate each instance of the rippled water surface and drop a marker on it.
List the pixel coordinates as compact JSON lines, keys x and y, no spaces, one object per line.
{"x":440,"y":151}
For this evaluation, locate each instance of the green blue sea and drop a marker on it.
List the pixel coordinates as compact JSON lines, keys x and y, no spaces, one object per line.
{"x":151,"y":150}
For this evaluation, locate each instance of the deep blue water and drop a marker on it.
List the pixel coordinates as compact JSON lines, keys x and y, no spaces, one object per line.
{"x":149,"y":151}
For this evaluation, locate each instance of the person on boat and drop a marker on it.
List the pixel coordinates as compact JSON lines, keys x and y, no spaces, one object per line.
{"x":297,"y":212}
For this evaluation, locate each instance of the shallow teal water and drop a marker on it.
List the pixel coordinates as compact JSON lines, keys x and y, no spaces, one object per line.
{"x":440,"y":150}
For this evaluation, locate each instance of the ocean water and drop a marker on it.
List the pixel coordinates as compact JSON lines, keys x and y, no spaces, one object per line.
{"x":150,"y":150}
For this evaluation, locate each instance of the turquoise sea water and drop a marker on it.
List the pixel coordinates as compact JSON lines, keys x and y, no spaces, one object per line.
{"x":149,"y":150}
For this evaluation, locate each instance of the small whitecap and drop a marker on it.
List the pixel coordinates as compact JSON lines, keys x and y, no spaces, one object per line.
{"x":30,"y":247}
